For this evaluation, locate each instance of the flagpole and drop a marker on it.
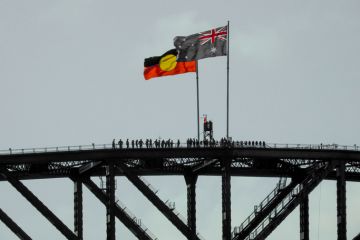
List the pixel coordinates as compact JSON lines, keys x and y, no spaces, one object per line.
{"x":197,"y":98}
{"x":227,"y":105}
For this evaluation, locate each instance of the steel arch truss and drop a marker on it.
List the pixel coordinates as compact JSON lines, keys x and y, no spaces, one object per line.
{"x":305,"y":167}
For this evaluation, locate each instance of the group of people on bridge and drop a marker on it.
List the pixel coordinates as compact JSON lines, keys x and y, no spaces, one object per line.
{"x":190,"y":143}
{"x":148,"y":143}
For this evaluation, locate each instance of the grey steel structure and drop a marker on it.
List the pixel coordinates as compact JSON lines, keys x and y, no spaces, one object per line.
{"x":305,"y":166}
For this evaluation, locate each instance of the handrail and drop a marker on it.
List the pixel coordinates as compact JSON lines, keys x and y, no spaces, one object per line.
{"x":168,"y":203}
{"x":280,"y":207}
{"x":277,"y":210}
{"x":131,"y":216}
{"x":236,"y":144}
{"x":280,"y":185}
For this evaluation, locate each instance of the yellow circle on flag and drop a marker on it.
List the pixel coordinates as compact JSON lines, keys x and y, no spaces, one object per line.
{"x":167,"y":62}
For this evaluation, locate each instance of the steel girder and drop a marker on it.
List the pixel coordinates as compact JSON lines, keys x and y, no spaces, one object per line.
{"x":52,"y":218}
{"x":226,"y":199}
{"x":304,"y":219}
{"x":129,"y":222}
{"x":13,"y":226}
{"x":305,"y":187}
{"x":190,"y":180}
{"x":181,"y":154}
{"x":110,"y":203}
{"x":157,"y":202}
{"x":357,"y":237}
{"x":78,"y":209}
{"x":265,"y":211}
{"x":341,"y":201}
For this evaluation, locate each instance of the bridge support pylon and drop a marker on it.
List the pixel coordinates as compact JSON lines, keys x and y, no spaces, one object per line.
{"x":110,"y":205}
{"x":341,"y":200}
{"x":78,"y":209}
{"x":226,"y":199}
{"x":190,"y":180}
{"x":304,"y":219}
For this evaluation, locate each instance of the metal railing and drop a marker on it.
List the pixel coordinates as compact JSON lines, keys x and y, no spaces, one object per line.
{"x":168,"y":203}
{"x":281,"y":207}
{"x":276,"y":211}
{"x":258,"y":208}
{"x":134,"y":219}
{"x":235,"y":144}
{"x":130,"y":215}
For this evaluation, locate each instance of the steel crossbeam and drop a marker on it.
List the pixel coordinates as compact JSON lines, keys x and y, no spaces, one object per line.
{"x":89,"y":166}
{"x":157,"y":202}
{"x":13,"y":226}
{"x":119,"y":213}
{"x":53,"y":219}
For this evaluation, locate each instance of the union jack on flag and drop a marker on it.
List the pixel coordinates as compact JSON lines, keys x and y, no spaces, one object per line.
{"x":211,"y":43}
{"x":213,"y":34}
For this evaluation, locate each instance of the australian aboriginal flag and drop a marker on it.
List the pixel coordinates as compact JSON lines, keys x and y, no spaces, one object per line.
{"x":166,"y":65}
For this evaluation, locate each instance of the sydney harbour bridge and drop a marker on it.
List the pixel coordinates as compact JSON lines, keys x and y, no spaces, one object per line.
{"x":300,"y":169}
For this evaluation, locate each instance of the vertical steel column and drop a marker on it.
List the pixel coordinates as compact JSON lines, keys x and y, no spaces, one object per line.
{"x":110,"y":205}
{"x":190,"y":180}
{"x":226,"y":199}
{"x":304,"y":219}
{"x":78,"y":209}
{"x":341,"y":201}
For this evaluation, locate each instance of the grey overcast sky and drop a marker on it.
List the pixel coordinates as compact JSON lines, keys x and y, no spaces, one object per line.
{"x":71,"y":74}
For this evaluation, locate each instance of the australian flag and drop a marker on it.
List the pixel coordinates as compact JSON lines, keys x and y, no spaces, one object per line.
{"x":211,"y":43}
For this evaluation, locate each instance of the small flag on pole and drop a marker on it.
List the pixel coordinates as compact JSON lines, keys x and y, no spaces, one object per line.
{"x":166,"y":65}
{"x":211,"y":43}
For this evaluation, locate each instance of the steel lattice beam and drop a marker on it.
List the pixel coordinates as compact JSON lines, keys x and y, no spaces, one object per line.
{"x":13,"y":226}
{"x":245,"y":161}
{"x":85,"y":168}
{"x":157,"y":202}
{"x":53,"y":219}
